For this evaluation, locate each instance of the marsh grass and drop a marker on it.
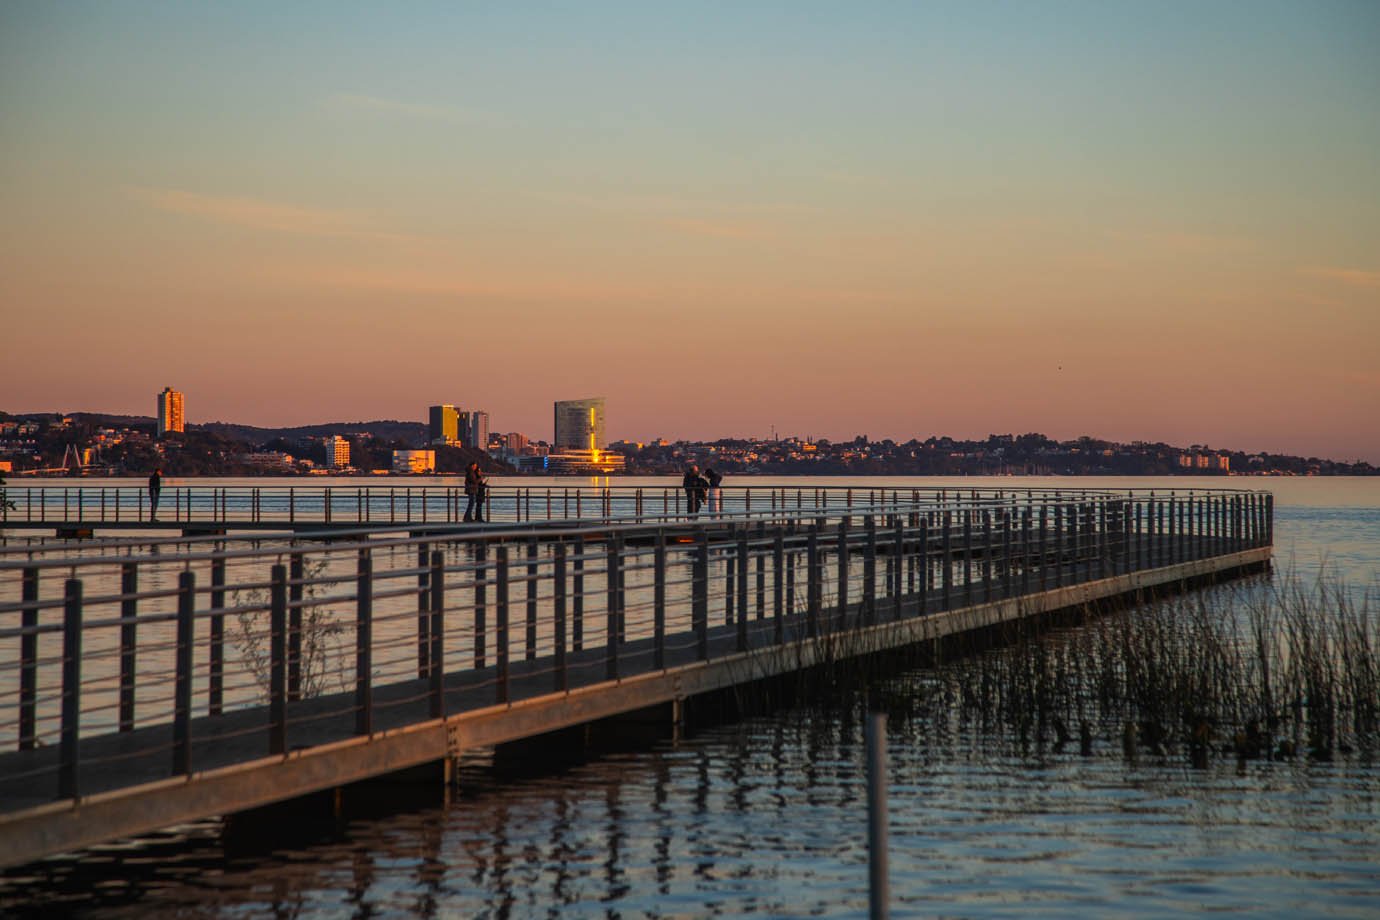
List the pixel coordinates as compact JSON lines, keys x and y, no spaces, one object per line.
{"x":1260,"y":669}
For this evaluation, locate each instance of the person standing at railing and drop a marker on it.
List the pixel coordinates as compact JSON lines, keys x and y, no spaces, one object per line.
{"x":695,"y":487}
{"x":716,"y":494}
{"x":155,"y":490}
{"x":476,"y":487}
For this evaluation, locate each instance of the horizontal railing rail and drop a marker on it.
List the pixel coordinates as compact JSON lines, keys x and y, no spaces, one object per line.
{"x":204,"y":502}
{"x":130,"y":662}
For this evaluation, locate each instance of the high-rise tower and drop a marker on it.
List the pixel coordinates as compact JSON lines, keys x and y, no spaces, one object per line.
{"x":580,"y":424}
{"x":170,"y":416}
{"x":444,"y":425}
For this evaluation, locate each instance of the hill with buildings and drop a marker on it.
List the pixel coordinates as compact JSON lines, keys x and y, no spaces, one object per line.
{"x":99,"y":443}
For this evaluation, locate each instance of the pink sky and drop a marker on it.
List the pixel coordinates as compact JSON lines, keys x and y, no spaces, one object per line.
{"x":1115,"y":237}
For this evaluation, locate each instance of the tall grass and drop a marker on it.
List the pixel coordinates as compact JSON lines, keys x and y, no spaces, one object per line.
{"x":1269,"y":669}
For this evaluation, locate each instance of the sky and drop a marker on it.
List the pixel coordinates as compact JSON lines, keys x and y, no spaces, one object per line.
{"x":1155,"y":221}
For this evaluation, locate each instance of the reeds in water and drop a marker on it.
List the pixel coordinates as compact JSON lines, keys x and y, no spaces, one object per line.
{"x":1263,"y":669}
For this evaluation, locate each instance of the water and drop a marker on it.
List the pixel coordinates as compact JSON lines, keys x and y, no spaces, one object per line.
{"x":767,"y":816}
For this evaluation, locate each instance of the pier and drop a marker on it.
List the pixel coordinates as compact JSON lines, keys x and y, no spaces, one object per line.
{"x":145,"y":683}
{"x":76,"y":509}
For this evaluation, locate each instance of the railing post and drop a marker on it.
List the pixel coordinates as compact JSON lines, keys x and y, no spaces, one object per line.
{"x":987,"y":555}
{"x":1025,"y":549}
{"x":129,"y":613}
{"x":968,"y":557}
{"x":501,"y":622}
{"x":924,"y":561}
{"x":216,"y":688}
{"x":364,"y":643}
{"x":898,"y":571}
{"x":1103,"y":545}
{"x":742,"y":591}
{"x":699,"y":611}
{"x":761,"y":573}
{"x":28,"y":663}
{"x":622,"y":586}
{"x":659,"y":602}
{"x":1152,"y":532}
{"x":530,"y":652}
{"x":730,"y":586}
{"x":611,"y":607}
{"x":277,"y":676}
{"x":577,"y":623}
{"x":814,"y":582}
{"x":182,"y":680}
{"x":295,"y":593}
{"x":69,"y":755}
{"x":1043,"y":543}
{"x":1239,"y":508}
{"x":1133,"y":534}
{"x":1008,"y":570}
{"x":438,"y":634}
{"x":1175,"y":530}
{"x":1125,"y":537}
{"x":481,"y":577}
{"x":948,"y":572}
{"x":562,"y":678}
{"x":843,"y":563}
{"x":778,"y":551}
{"x":423,"y":608}
{"x":869,"y":612}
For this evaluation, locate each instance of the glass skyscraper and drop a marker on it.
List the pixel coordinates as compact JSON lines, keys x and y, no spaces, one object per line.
{"x":580,"y":424}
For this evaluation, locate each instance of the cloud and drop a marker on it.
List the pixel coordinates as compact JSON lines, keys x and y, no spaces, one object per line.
{"x":566,"y":289}
{"x":717,"y":228}
{"x":1354,"y":277}
{"x":1187,"y":243}
{"x":463,"y":284}
{"x":430,"y":112}
{"x":673,"y":204}
{"x":278,"y":217}
{"x":252,"y":212}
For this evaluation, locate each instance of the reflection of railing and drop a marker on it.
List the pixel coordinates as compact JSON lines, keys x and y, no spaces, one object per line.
{"x":293,"y":506}
{"x":185,"y":656}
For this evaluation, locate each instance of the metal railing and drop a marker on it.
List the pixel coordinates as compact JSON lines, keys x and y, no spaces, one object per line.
{"x":204,"y":502}
{"x":155,"y":660}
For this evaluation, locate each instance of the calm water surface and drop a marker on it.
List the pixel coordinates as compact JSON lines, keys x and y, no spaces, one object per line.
{"x":767,"y":817}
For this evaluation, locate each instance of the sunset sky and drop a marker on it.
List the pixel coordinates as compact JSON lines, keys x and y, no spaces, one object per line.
{"x":1154,"y":221}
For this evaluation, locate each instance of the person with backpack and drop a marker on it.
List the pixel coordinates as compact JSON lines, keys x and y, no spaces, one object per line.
{"x":716,"y":494}
{"x":695,"y":487}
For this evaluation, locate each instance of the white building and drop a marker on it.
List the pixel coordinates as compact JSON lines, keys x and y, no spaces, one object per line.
{"x":414,"y":461}
{"x":337,"y":452}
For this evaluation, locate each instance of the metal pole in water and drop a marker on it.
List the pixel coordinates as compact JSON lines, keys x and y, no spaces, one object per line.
{"x":878,"y":894}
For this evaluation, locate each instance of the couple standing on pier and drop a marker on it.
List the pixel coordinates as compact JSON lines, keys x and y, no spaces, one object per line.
{"x":476,"y":490}
{"x":699,"y":485}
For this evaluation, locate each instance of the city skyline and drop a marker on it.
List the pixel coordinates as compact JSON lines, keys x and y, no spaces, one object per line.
{"x":1152,"y":223}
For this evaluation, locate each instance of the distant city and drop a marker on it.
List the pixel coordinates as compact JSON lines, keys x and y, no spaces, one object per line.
{"x":452,"y":437}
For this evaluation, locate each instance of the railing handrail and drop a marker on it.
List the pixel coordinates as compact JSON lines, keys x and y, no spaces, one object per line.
{"x":342,"y":539}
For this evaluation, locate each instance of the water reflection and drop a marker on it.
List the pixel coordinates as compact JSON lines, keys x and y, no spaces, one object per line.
{"x":769,"y":816}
